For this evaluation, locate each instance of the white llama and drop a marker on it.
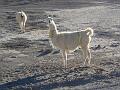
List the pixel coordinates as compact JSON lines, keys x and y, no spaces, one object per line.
{"x":21,"y":18}
{"x":67,"y":41}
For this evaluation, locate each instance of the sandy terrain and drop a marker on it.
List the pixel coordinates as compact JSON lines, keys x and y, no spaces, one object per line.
{"x":28,"y":62}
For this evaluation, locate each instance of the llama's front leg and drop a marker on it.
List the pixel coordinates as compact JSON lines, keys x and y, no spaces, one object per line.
{"x":21,"y":26}
{"x":24,"y":26}
{"x":65,"y":58}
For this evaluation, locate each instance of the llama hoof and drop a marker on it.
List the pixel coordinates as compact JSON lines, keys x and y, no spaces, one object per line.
{"x":65,"y":67}
{"x":73,"y":68}
{"x":86,"y":65}
{"x":21,"y":32}
{"x":89,"y":64}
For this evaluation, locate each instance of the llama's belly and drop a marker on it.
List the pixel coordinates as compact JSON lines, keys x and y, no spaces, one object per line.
{"x":69,"y":42}
{"x":72,"y":41}
{"x":57,"y":43}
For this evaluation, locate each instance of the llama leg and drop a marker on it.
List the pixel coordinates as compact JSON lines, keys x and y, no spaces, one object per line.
{"x":24,"y":26}
{"x":89,"y":56}
{"x":64,"y":57}
{"x":85,"y":54}
{"x":21,"y":26}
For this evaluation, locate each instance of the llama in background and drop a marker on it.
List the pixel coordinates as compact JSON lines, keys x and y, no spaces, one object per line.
{"x":21,"y":18}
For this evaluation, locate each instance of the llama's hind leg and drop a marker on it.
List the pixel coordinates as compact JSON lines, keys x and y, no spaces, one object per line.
{"x":85,"y":56}
{"x":85,"y":51}
{"x":89,"y":56}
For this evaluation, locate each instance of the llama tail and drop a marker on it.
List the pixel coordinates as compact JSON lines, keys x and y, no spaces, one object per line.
{"x":89,"y":31}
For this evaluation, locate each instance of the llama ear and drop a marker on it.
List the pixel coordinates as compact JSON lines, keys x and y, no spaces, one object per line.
{"x":50,"y":18}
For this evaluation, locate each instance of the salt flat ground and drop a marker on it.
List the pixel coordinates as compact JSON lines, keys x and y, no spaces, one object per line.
{"x":27,"y":60}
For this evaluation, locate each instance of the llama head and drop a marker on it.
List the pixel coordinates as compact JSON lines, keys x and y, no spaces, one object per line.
{"x":20,"y":13}
{"x":50,"y":19}
{"x":52,"y":24}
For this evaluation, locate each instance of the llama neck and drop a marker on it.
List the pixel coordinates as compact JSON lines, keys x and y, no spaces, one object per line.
{"x":53,"y":30}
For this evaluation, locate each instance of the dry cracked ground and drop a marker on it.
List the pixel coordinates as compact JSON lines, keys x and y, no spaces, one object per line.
{"x":28,"y":62}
